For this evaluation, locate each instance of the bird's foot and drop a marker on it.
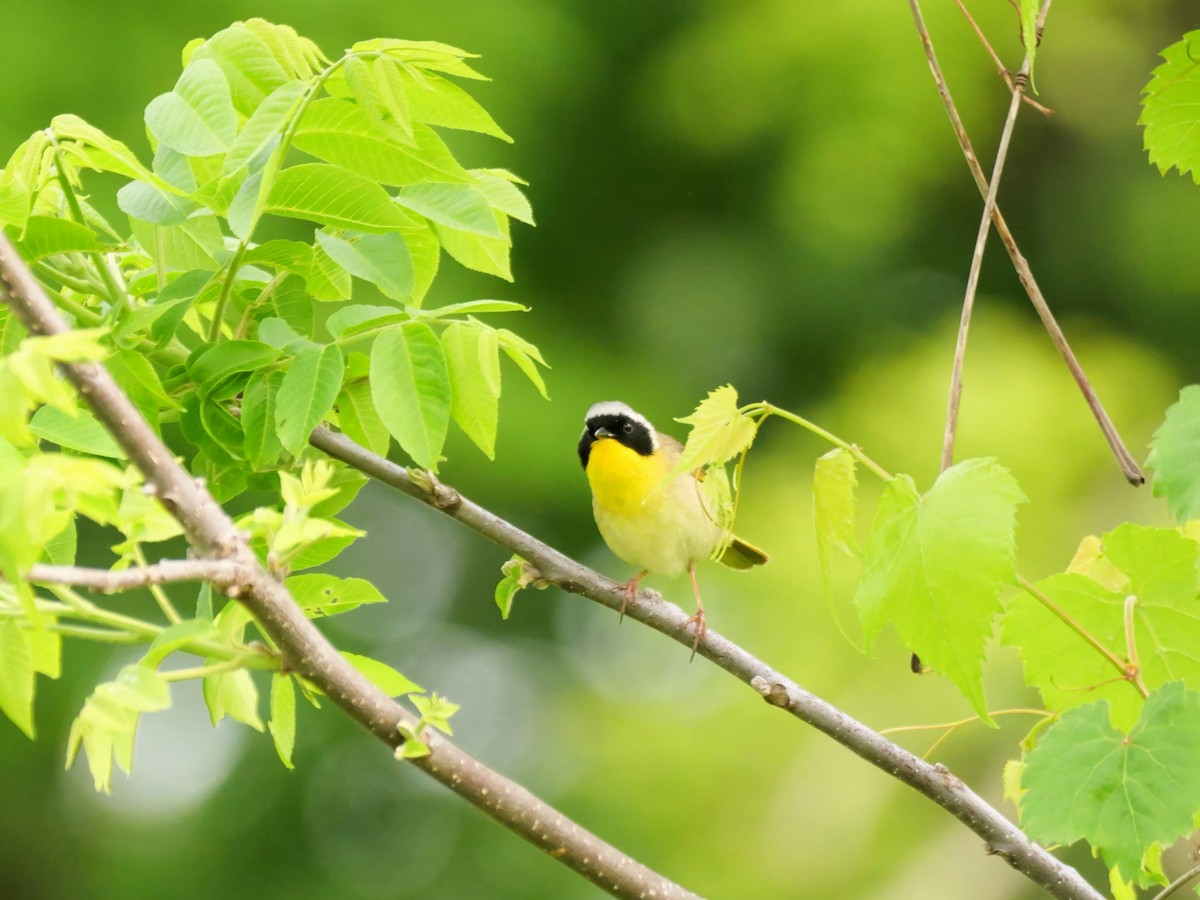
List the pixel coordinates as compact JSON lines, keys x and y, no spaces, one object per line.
{"x":698,"y":619}
{"x":628,"y":592}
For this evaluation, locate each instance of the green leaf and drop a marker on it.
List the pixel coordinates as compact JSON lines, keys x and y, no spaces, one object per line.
{"x":359,"y":420}
{"x":1157,"y":566}
{"x":1122,"y":793}
{"x":216,"y":362}
{"x":325,"y":595}
{"x":334,"y":197}
{"x":935,"y":566}
{"x":525,"y":355}
{"x":232,"y":694}
{"x":327,"y":280}
{"x":146,"y":202}
{"x":344,"y":134}
{"x":1175,"y":453}
{"x":250,"y":67}
{"x":356,"y":318}
{"x":410,"y":385}
{"x":719,"y":432}
{"x":261,"y":441}
{"x":283,"y":716}
{"x":80,"y":432}
{"x":381,"y":259}
{"x":834,"y":508}
{"x":197,"y":118}
{"x":516,"y":578}
{"x":177,"y":637}
{"x":310,"y":386}
{"x":459,"y":206}
{"x":435,"y":711}
{"x":382,"y":675}
{"x":436,"y":101}
{"x":138,"y":688}
{"x":16,"y":676}
{"x":1169,"y":105}
{"x":103,"y":152}
{"x":497,"y":185}
{"x":477,"y":251}
{"x":474,"y":365}
{"x":61,"y":549}
{"x":288,"y":256}
{"x":45,"y":236}
{"x":472,"y":306}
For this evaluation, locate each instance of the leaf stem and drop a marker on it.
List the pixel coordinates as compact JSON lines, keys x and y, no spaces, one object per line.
{"x":1119,"y":664}
{"x":156,"y":590}
{"x":229,"y":665}
{"x":1134,"y":668}
{"x":265,"y":294}
{"x":951,"y":727}
{"x":767,"y":409}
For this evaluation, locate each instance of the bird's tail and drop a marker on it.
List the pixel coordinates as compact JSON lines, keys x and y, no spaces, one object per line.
{"x":740,"y":555}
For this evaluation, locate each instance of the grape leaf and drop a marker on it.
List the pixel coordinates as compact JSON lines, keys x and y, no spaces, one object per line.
{"x":834,"y":482}
{"x":1175,"y":455}
{"x":935,"y":565}
{"x":719,"y":431}
{"x":1155,"y":565}
{"x":410,"y":385}
{"x":1122,"y":793}
{"x":1169,"y":105}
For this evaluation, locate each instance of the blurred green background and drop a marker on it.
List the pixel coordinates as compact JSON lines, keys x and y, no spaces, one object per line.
{"x":760,"y":192}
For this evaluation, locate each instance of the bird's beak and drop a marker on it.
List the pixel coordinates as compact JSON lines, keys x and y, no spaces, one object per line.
{"x":602,"y":432}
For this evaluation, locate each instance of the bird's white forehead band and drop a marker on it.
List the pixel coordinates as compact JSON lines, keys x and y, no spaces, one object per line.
{"x":617,"y":408}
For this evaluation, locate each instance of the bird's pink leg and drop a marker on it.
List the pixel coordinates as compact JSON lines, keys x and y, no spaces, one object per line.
{"x":629,"y":590}
{"x":698,"y":617}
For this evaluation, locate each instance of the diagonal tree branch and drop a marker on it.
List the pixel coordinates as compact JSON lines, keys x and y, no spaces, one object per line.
{"x":1001,"y":836}
{"x":1125,"y":460}
{"x":212,"y":534}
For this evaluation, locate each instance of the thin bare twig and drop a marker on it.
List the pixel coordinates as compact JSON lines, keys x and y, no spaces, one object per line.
{"x":213,"y":535}
{"x":1002,"y":838}
{"x":1178,"y":884}
{"x":218,"y":572}
{"x":1125,"y":460}
{"x":1000,"y":67}
{"x":985,"y":226}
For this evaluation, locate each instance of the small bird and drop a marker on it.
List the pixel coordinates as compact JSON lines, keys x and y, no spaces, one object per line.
{"x":664,"y":527}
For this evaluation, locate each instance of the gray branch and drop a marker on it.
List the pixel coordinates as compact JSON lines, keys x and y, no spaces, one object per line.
{"x":213,"y":536}
{"x":218,"y":572}
{"x":1001,"y":837}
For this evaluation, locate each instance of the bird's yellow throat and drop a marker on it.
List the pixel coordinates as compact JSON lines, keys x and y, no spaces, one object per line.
{"x":621,"y":478}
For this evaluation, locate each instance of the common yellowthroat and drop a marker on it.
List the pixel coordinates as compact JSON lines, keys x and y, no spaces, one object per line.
{"x":664,"y":527}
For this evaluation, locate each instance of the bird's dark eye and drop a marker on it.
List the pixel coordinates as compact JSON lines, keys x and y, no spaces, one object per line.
{"x":628,"y":428}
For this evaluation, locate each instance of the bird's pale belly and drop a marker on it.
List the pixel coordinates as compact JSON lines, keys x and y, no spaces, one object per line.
{"x":659,"y":526}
